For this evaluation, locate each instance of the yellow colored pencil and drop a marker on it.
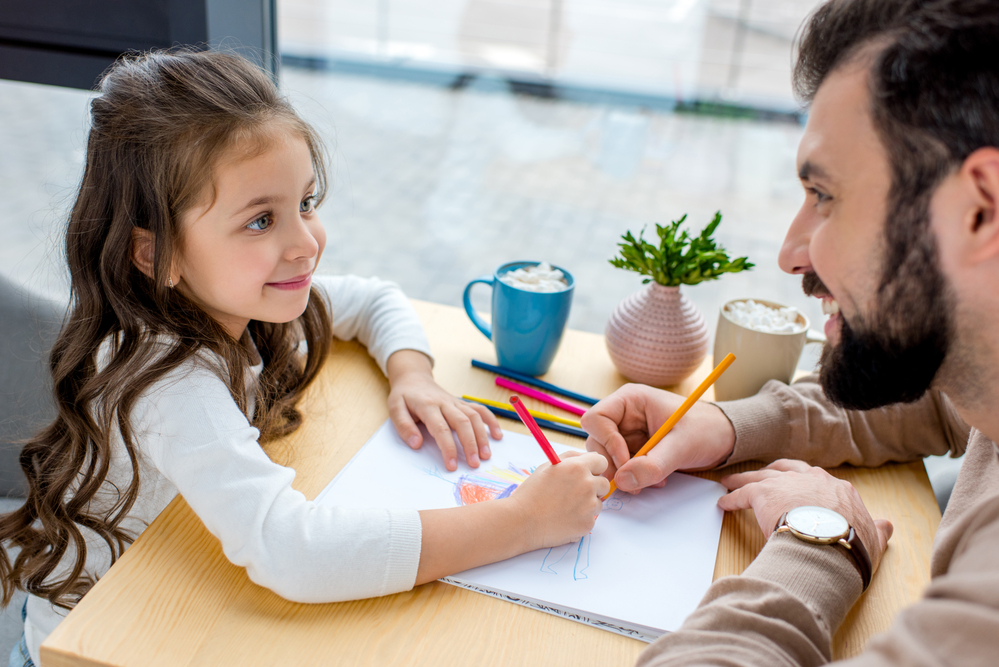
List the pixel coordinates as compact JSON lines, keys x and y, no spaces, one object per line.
{"x":534,"y":413}
{"x":680,"y":412}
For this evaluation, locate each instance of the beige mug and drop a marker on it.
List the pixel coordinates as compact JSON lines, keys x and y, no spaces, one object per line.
{"x":760,"y":356}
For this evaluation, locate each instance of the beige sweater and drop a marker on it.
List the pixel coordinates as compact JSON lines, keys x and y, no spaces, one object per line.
{"x":784,"y":609}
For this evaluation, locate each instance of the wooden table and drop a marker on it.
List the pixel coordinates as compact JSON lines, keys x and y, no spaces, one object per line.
{"x":174,"y":600}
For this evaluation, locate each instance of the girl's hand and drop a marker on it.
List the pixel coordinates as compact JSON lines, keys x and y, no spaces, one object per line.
{"x":560,"y":503}
{"x":555,"y":505}
{"x":415,"y":397}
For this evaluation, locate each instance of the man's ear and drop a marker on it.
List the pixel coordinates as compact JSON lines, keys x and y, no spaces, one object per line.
{"x":981,"y":169}
{"x":143,"y":250}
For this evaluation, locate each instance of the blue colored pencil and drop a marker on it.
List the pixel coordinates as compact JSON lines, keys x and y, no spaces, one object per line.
{"x":527,"y":379}
{"x":543,"y":423}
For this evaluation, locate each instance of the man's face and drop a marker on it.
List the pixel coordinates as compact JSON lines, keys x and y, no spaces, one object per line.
{"x":888,"y":330}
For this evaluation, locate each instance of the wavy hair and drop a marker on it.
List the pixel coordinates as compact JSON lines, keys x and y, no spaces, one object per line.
{"x":158,"y":128}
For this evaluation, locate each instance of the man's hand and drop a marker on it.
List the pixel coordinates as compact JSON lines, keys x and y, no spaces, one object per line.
{"x":620,"y":424}
{"x":786,"y":484}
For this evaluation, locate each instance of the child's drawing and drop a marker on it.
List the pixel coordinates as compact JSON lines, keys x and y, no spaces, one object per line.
{"x":492,"y":484}
{"x":580,"y":555}
{"x":578,"y":552}
{"x":497,"y":483}
{"x":582,"y":581}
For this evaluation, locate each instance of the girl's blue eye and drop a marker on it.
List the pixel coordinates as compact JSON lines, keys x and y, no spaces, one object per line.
{"x":308,"y":204}
{"x":261,"y":224}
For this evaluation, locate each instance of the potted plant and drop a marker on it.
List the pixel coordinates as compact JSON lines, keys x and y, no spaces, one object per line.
{"x":657,"y":336}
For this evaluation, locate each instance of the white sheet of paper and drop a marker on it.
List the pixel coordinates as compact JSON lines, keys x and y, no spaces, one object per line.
{"x":640,"y":572}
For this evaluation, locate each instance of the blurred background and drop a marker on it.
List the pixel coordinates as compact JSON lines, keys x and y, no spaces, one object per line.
{"x":468,"y":133}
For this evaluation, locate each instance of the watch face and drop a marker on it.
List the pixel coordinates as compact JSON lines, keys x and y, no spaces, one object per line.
{"x":818,"y":522}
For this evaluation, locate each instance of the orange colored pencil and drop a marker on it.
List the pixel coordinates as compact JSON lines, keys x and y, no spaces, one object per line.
{"x":680,"y":412}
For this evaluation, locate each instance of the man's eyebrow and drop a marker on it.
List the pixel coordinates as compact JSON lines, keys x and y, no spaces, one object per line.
{"x":810,"y":170}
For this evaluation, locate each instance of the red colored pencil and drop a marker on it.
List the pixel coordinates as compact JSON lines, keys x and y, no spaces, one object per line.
{"x":532,"y":426}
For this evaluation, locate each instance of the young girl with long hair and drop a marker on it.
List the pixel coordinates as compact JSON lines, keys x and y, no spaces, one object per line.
{"x":195,"y":324}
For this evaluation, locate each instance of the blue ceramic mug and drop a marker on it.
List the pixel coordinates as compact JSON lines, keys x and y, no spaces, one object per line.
{"x":527,"y":327}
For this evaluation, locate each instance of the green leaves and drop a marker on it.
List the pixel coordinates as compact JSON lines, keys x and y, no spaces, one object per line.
{"x":678,"y":260}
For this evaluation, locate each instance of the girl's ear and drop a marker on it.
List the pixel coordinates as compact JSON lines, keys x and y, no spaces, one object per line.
{"x":143,"y":250}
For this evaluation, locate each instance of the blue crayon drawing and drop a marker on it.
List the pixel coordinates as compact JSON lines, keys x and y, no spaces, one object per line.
{"x":579,"y":551}
{"x":581,"y":562}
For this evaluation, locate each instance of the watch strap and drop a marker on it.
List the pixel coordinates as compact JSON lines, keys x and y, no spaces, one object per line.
{"x":851,"y":544}
{"x":859,"y":556}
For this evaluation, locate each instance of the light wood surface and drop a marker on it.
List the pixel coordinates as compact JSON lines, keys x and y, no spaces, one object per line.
{"x":174,"y":600}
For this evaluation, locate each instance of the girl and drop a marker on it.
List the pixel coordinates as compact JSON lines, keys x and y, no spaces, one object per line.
{"x":195,"y":325}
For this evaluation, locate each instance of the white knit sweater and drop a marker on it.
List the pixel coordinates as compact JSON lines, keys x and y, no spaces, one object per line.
{"x":193,"y":440}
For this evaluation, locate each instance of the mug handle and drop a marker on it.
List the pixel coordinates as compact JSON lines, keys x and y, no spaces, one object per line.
{"x":479,"y":323}
{"x":813,"y":336}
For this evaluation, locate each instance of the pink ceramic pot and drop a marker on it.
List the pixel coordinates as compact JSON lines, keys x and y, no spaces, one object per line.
{"x":657,"y":336}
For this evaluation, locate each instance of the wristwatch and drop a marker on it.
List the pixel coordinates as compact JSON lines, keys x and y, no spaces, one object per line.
{"x":819,"y":525}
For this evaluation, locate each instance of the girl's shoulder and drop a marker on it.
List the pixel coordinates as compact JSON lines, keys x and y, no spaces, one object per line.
{"x":202,"y":367}
{"x":348,"y":286}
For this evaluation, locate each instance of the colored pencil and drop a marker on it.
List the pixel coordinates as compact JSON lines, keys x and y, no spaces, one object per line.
{"x":680,"y":411}
{"x":527,"y":379}
{"x":543,"y":423}
{"x":534,"y":413}
{"x":540,"y":395}
{"x":532,"y":426}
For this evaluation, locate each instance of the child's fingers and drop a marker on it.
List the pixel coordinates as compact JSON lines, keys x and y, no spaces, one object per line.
{"x":490,"y":421}
{"x":462,"y":425}
{"x":598,"y":448}
{"x":479,"y":426}
{"x":404,"y":423}
{"x":601,"y":485}
{"x":438,"y":427}
{"x":595,"y":463}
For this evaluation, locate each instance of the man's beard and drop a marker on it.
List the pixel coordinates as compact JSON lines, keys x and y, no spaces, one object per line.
{"x":892,"y":355}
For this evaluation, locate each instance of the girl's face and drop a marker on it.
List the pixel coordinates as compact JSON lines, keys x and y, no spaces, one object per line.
{"x":250,"y":254}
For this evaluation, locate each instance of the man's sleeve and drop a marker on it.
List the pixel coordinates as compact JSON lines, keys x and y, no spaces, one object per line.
{"x":798,"y":421}
{"x":784,"y":610}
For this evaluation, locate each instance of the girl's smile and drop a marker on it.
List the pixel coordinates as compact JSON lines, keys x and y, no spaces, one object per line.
{"x":293,"y":283}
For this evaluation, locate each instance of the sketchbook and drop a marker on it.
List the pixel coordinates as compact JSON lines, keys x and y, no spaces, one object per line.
{"x":641,"y":571}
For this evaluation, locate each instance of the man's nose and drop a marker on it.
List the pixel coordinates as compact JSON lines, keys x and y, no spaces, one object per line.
{"x":793,"y":257}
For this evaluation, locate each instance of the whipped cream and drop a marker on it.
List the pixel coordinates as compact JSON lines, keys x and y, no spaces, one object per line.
{"x":540,"y":278}
{"x":761,"y":317}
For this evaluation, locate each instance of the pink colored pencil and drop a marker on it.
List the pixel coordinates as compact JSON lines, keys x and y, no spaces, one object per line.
{"x":532,"y":426}
{"x":541,"y":396}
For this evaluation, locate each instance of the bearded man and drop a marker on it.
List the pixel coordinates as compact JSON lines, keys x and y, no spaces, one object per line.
{"x":899,"y":237}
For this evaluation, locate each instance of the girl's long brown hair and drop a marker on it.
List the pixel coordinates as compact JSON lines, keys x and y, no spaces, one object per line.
{"x":159,"y":126}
